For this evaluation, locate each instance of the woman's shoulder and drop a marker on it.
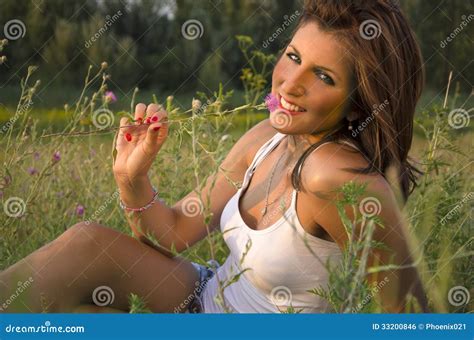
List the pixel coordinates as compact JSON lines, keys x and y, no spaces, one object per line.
{"x":327,"y":169}
{"x":325,"y":172}
{"x":254,"y":139}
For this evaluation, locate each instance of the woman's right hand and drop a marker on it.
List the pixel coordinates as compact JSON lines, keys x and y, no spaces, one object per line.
{"x":138,"y":143}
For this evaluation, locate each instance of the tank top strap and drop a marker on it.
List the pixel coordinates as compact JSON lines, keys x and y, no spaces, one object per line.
{"x":264,"y":150}
{"x":349,"y":143}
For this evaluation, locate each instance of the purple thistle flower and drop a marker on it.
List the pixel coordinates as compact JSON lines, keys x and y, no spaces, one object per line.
{"x":110,"y":97}
{"x":56,"y":156}
{"x":5,"y":181}
{"x":79,"y":210}
{"x":32,"y":171}
{"x":271,"y":101}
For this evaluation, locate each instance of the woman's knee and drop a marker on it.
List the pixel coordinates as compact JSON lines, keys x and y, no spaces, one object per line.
{"x":87,"y":236}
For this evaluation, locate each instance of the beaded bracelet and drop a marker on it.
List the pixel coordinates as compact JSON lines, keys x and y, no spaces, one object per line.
{"x":153,"y":200}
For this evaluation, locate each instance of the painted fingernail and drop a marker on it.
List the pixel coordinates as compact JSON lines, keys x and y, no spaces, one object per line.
{"x":140,"y":120}
{"x":128,"y":137}
{"x":156,"y":128}
{"x":154,"y":118}
{"x":148,"y":120}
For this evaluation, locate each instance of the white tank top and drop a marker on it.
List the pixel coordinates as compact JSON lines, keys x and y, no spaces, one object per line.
{"x":281,"y":268}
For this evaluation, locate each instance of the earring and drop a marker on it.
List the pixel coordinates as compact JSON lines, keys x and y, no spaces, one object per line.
{"x":350,"y":126}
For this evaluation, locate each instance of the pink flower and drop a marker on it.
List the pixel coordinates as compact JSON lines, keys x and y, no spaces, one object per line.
{"x":56,"y":157}
{"x":271,"y":102}
{"x":5,"y":181}
{"x":110,"y":97}
{"x":79,"y":210}
{"x":32,"y":171}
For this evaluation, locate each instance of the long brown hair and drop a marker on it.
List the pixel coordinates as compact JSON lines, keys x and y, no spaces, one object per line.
{"x":388,"y":78}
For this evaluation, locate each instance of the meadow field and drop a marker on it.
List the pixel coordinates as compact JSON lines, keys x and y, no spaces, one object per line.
{"x":57,"y":171}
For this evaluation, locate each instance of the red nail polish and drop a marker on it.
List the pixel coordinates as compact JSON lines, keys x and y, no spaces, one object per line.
{"x":148,"y":120}
{"x":128,"y":137}
{"x":154,"y":118}
{"x":140,"y":119}
{"x":156,"y":128}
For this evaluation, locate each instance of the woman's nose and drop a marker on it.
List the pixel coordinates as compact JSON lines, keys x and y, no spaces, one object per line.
{"x":293,"y":85}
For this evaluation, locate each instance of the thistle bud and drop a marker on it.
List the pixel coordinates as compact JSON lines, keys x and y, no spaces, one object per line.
{"x":196,"y":105}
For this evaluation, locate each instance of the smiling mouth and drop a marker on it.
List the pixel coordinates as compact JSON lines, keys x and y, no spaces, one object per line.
{"x":290,"y":107}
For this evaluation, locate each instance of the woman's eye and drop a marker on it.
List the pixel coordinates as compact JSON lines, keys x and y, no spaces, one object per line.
{"x":324,"y":77}
{"x":294,"y":57}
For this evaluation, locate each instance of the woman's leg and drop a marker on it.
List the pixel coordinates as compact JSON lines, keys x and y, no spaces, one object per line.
{"x":68,"y":272}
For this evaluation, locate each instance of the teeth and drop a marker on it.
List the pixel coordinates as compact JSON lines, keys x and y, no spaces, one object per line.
{"x":289,"y":106}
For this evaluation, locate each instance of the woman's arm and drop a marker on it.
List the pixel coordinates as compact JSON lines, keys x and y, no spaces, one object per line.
{"x":182,"y":225}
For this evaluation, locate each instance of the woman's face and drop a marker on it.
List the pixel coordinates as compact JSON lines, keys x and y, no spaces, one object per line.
{"x":314,"y":75}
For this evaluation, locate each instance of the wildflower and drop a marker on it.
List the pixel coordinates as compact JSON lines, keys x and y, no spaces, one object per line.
{"x":79,"y":210}
{"x":104,"y":65}
{"x":225,"y":137}
{"x":196,"y":105}
{"x":6,"y":181}
{"x":110,"y":97}
{"x":32,"y":171}
{"x":36,"y":155}
{"x":271,"y":102}
{"x":56,"y":157}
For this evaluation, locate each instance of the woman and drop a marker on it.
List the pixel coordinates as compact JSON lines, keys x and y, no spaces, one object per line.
{"x":347,"y":97}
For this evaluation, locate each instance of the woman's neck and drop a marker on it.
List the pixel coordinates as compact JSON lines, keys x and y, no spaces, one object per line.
{"x":297,"y":144}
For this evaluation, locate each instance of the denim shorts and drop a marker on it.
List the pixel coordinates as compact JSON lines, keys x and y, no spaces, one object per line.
{"x":205,"y":274}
